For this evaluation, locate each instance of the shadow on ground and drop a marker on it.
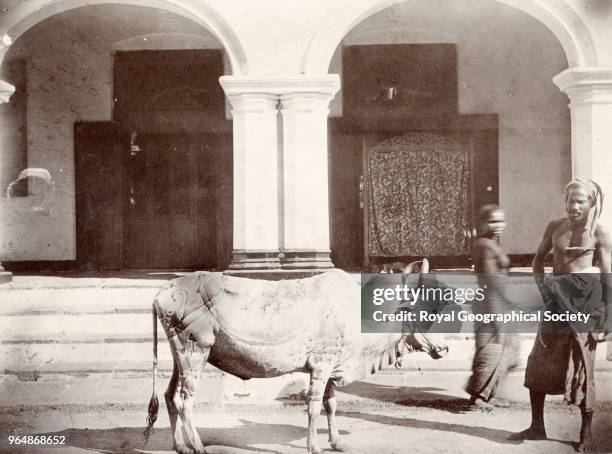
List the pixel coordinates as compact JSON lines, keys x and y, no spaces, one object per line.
{"x":130,"y":440}
{"x":408,"y":396}
{"x":495,"y":435}
{"x":251,"y":436}
{"x":601,"y":428}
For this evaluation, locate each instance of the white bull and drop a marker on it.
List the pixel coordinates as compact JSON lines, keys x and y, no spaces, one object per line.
{"x":255,"y":329}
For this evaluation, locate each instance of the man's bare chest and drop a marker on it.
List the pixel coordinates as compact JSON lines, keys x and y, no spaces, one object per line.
{"x":573,"y":249}
{"x":567,"y":239}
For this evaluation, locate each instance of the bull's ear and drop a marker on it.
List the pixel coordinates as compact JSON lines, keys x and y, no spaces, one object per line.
{"x":425,"y":265}
{"x":422,"y":266}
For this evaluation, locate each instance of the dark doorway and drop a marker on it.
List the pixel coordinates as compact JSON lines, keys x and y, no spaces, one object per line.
{"x":98,"y":187}
{"x":154,"y":186}
{"x":170,"y":204}
{"x":151,"y":204}
{"x":401,"y":101}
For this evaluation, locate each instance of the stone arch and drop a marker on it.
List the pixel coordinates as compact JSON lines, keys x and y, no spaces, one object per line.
{"x":29,"y":13}
{"x":556,"y":15}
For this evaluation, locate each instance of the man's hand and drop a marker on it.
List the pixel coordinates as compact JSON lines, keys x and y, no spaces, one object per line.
{"x":540,"y":280}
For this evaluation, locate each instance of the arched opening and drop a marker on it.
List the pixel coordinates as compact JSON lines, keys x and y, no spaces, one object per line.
{"x":449,"y":71}
{"x":123,"y":108}
{"x":559,"y":18}
{"x":21,"y":17}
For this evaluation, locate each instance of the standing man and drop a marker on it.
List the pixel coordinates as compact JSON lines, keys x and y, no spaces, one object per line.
{"x":564,"y":362}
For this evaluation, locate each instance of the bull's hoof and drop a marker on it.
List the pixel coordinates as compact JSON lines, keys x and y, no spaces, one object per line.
{"x":182,"y":448}
{"x":338,"y":446}
{"x":198,"y":447}
{"x":314,"y":450}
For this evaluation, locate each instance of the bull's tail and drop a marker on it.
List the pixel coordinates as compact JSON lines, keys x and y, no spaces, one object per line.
{"x":154,"y":402}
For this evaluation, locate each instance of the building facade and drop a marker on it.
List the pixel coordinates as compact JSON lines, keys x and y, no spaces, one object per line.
{"x":270,"y":132}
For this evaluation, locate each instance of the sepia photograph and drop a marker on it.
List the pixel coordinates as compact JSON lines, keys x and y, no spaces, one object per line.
{"x":361,"y":226}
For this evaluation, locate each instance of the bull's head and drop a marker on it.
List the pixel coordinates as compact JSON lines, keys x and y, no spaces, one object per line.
{"x":414,"y":337}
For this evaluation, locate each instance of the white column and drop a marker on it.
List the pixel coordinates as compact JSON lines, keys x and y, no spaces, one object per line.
{"x":6,"y":91}
{"x":305,"y":195}
{"x":590,"y":92}
{"x":255,"y":235}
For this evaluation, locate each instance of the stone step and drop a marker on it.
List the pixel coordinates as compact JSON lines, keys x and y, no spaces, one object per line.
{"x":109,"y":355}
{"x":61,"y":327}
{"x":106,"y":297}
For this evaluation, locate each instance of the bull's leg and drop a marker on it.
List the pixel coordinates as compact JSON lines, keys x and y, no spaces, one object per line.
{"x":190,"y":364}
{"x":319,"y":375}
{"x":174,"y":399}
{"x":173,"y":403}
{"x":330,"y":404}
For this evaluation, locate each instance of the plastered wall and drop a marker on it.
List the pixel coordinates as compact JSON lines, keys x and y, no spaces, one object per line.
{"x":506,"y":61}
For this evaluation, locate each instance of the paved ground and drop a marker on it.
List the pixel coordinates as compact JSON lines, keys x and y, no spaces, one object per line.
{"x":421,"y":410}
{"x":389,"y":413}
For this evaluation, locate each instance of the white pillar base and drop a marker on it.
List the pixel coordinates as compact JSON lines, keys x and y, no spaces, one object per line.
{"x":305,"y":259}
{"x":251,"y":259}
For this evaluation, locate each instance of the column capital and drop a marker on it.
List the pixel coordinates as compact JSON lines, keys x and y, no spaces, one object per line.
{"x":280,"y":86}
{"x":253,"y":102}
{"x":6,"y":91}
{"x":304,"y":102}
{"x":5,"y":43}
{"x":586,"y":84}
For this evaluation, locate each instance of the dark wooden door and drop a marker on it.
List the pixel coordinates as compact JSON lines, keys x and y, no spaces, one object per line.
{"x":99,"y":223}
{"x":169,"y":205}
{"x":151,"y":206}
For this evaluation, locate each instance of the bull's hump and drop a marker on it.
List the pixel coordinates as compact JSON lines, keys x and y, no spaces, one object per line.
{"x":275,"y":312}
